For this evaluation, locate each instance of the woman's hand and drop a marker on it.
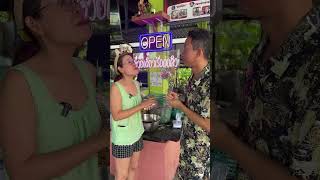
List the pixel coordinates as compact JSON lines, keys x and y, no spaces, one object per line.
{"x":148,"y":103}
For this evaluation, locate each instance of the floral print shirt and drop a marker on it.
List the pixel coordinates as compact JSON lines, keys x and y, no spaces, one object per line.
{"x":195,"y":142}
{"x":282,"y":101}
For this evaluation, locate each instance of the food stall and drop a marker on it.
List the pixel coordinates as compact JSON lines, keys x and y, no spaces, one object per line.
{"x":157,"y":63}
{"x":157,"y":55}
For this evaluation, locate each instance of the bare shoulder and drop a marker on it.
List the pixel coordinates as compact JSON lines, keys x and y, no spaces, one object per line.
{"x":17,"y":105}
{"x":114,"y":89}
{"x":15,"y":89}
{"x":13,"y":82}
{"x":18,"y":118}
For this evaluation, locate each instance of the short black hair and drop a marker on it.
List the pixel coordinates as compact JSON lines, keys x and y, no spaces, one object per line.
{"x":201,"y":39}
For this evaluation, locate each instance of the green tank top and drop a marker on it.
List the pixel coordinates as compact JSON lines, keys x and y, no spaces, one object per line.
{"x":56,"y":132}
{"x":127,"y":131}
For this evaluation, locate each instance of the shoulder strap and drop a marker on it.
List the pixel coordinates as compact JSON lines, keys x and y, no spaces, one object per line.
{"x":37,"y":87}
{"x":85,"y":75}
{"x":121,"y":88}
{"x":138,"y":86}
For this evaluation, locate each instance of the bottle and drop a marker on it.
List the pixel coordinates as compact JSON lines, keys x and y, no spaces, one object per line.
{"x":178,"y":123}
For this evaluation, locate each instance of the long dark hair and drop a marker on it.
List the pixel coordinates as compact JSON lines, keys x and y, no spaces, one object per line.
{"x":26,"y":50}
{"x":120,"y":64}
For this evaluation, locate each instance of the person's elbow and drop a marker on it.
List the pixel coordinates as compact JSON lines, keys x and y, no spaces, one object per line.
{"x":22,"y":176}
{"x":19,"y":176}
{"x":207,"y":125}
{"x":116,"y":116}
{"x":208,"y":129}
{"x":20,"y":173}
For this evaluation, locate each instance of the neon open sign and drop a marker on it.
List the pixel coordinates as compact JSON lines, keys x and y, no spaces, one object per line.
{"x":155,"y":42}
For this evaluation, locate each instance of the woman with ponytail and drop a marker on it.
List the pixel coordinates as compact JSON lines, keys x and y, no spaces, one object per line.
{"x":126,"y":106}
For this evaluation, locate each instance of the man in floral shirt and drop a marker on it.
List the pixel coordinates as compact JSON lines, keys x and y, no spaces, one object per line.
{"x":195,"y":141}
{"x":280,"y":121}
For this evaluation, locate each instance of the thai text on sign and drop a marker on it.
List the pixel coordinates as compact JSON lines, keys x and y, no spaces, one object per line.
{"x":157,"y":62}
{"x":155,"y":42}
{"x":94,"y":9}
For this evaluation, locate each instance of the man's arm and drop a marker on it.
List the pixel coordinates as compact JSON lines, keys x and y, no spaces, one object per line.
{"x":204,"y":123}
{"x":306,"y":129}
{"x":257,"y":165}
{"x":203,"y":119}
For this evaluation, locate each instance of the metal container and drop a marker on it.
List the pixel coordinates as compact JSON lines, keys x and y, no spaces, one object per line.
{"x":150,"y":122}
{"x":162,"y":108}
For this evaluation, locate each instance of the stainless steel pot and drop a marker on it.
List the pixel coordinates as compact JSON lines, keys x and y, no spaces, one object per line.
{"x":150,"y":122}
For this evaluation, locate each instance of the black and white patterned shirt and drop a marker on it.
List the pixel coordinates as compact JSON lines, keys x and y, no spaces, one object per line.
{"x":195,"y":142}
{"x":281,"y":115}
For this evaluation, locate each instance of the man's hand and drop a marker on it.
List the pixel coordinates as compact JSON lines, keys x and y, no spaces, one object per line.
{"x":173,"y":95}
{"x":173,"y":100}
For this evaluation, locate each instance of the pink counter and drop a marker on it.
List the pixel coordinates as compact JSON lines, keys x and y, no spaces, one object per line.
{"x":158,"y":161}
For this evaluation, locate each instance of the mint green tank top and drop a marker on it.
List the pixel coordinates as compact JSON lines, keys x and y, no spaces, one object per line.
{"x":127,"y":131}
{"x":56,"y":132}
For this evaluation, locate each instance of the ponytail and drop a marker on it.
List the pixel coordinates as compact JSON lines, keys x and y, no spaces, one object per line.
{"x":24,"y":51}
{"x":25,"y":48}
{"x":118,"y":77}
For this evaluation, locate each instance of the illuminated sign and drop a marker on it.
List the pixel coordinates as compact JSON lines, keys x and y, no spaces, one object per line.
{"x":155,"y":42}
{"x":144,"y":61}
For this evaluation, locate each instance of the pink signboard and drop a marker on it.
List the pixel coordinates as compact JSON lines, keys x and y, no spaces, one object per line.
{"x":190,"y":10}
{"x":144,"y":61}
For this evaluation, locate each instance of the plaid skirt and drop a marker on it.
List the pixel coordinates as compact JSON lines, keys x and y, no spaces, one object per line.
{"x":126,"y":151}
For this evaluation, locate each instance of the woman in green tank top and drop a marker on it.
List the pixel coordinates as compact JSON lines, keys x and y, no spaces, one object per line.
{"x":126,"y":125}
{"x":49,"y":122}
